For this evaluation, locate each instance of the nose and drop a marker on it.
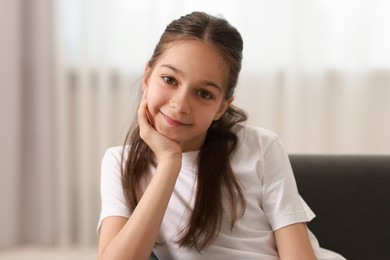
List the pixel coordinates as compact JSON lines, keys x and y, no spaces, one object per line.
{"x":180,"y":102}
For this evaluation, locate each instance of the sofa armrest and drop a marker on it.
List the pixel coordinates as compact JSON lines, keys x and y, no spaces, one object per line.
{"x":350,"y":195}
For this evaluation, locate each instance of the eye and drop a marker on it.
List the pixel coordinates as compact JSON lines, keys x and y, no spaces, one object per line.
{"x":169,"y":80}
{"x":205,"y":94}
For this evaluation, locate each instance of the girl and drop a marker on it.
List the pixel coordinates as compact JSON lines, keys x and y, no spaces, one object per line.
{"x":192,"y":181}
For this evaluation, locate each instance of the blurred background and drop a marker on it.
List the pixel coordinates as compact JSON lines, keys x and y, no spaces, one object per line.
{"x":317,"y":72}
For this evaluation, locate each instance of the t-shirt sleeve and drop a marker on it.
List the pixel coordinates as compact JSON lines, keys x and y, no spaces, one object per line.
{"x":113,"y":202}
{"x":282,"y":203}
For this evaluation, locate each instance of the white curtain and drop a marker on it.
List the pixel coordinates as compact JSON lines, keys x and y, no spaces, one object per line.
{"x":317,"y":72}
{"x":314,"y":71}
{"x":27,"y":109}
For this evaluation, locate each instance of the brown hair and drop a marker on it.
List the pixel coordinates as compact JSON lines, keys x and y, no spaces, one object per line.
{"x":215,"y":178}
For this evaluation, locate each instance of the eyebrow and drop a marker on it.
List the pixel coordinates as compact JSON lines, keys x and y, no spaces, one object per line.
{"x":181,"y":73}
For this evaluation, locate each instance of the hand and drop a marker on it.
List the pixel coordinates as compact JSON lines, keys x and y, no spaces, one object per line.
{"x":163,"y":147}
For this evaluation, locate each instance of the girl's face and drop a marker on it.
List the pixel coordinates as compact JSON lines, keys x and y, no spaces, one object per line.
{"x":185,"y":92}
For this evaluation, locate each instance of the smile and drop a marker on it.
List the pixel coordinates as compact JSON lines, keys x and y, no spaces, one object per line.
{"x":173,"y":122}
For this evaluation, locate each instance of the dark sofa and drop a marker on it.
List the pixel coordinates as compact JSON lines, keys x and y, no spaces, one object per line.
{"x":350,"y":195}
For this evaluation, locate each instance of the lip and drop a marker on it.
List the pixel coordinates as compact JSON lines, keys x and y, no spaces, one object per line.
{"x":173,"y":122}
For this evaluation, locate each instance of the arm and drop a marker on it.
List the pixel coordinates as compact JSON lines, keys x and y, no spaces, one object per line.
{"x":282,"y":204}
{"x":134,"y":238}
{"x":293,"y":243}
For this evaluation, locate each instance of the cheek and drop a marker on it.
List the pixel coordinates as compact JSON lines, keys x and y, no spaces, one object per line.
{"x":205,"y":116}
{"x":155,"y":99}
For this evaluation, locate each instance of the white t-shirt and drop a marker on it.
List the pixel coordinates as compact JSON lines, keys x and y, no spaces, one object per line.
{"x":260,"y":163}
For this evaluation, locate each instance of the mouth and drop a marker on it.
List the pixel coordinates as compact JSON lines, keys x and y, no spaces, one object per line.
{"x":174,"y":122}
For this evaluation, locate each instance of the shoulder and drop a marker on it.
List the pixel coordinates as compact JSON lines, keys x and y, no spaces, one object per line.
{"x":254,"y":143}
{"x":111,"y":170}
{"x":112,"y":160}
{"x":249,"y":135}
{"x":113,"y":151}
{"x":114,"y":154}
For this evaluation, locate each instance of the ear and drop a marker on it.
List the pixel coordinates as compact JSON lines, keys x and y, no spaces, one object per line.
{"x":145,"y":79}
{"x":222,"y":109}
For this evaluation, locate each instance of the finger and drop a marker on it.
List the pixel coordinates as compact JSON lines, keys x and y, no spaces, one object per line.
{"x":147,"y":112}
{"x":148,"y":116}
{"x":142,"y":119}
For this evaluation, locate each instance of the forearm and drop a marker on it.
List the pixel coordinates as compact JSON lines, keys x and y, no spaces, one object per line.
{"x":293,"y":243}
{"x":137,"y":237}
